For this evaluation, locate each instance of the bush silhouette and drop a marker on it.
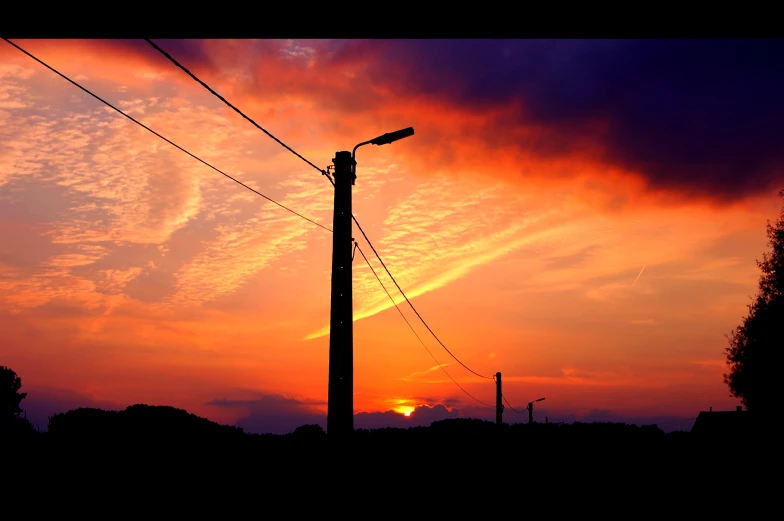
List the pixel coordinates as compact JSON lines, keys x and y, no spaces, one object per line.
{"x":309,"y":432}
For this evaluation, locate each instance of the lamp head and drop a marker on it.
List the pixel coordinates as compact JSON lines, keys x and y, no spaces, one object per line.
{"x":391,"y":137}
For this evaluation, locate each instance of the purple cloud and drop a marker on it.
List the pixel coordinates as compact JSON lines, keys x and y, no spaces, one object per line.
{"x":42,"y":403}
{"x":276,"y":414}
{"x":696,"y":116}
{"x":421,"y":416}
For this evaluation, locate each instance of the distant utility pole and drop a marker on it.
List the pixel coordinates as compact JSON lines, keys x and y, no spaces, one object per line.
{"x":531,"y":410}
{"x":499,"y":396}
{"x":340,"y":397}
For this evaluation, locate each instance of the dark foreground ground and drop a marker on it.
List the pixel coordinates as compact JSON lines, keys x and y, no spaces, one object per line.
{"x":459,"y":466}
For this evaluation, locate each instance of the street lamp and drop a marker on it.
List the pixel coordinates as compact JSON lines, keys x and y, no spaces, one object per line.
{"x":389,"y":137}
{"x":531,"y":410}
{"x":340,"y":397}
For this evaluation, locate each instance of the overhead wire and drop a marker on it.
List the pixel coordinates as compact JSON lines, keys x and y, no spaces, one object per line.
{"x":323,"y":172}
{"x":224,"y":100}
{"x":510,"y":405}
{"x":412,"y":306}
{"x":194,"y":77}
{"x":413,"y":330}
{"x":162,"y":137}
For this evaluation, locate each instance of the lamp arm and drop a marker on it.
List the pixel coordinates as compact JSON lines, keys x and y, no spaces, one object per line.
{"x":354,"y":152}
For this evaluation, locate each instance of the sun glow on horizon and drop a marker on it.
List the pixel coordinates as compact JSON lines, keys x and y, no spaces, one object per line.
{"x":405,"y":410}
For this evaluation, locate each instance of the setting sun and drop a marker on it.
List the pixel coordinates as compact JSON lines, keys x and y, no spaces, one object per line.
{"x":405,"y":410}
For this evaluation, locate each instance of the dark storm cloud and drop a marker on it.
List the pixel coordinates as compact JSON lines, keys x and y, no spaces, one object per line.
{"x":696,"y":116}
{"x":187,"y":52}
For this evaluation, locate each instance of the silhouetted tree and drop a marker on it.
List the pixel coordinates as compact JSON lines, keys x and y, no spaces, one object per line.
{"x":750,"y":355}
{"x":10,"y":397}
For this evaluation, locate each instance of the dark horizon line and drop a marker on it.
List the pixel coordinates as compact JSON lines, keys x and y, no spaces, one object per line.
{"x":322,"y":420}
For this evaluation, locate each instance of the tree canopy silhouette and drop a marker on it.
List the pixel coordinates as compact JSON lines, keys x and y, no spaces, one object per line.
{"x":10,"y":420}
{"x":750,"y":355}
{"x":10,"y":397}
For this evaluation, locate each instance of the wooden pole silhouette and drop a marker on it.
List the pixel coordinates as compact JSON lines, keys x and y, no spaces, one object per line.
{"x":499,"y":397}
{"x":340,"y":398}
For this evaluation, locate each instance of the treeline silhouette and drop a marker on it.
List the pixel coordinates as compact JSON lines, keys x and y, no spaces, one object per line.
{"x":143,"y":422}
{"x":155,"y":455}
{"x":160,"y":451}
{"x":165,"y":443}
{"x":167,"y":427}
{"x":160,"y":448}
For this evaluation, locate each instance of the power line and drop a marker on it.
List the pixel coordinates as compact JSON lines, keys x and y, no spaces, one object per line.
{"x":410,"y":304}
{"x":323,"y":172}
{"x":510,"y":405}
{"x":238,"y":111}
{"x":160,"y":136}
{"x":412,"y":328}
{"x":246,"y":186}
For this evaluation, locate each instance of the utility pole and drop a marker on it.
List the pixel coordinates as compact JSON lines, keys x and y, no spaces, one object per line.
{"x":340,"y":398}
{"x":531,"y":410}
{"x":499,"y":406}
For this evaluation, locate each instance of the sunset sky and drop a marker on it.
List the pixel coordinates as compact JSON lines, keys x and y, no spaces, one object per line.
{"x":582,"y":216}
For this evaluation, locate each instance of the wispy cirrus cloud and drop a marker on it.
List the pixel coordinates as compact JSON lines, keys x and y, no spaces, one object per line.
{"x":121,"y":185}
{"x":241,"y":249}
{"x":422,"y":373}
{"x":436,"y":235}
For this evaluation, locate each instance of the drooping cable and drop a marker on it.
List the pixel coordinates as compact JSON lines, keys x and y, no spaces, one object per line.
{"x":510,"y":405}
{"x":413,"y":330}
{"x":410,"y":304}
{"x":224,"y":100}
{"x":162,"y":137}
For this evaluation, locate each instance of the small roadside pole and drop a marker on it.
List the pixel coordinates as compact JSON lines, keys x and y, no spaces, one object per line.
{"x":531,"y":410}
{"x":499,"y":406}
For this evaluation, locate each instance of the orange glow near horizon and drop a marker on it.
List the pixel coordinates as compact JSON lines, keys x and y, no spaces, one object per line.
{"x":134,"y":274}
{"x":405,"y":410}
